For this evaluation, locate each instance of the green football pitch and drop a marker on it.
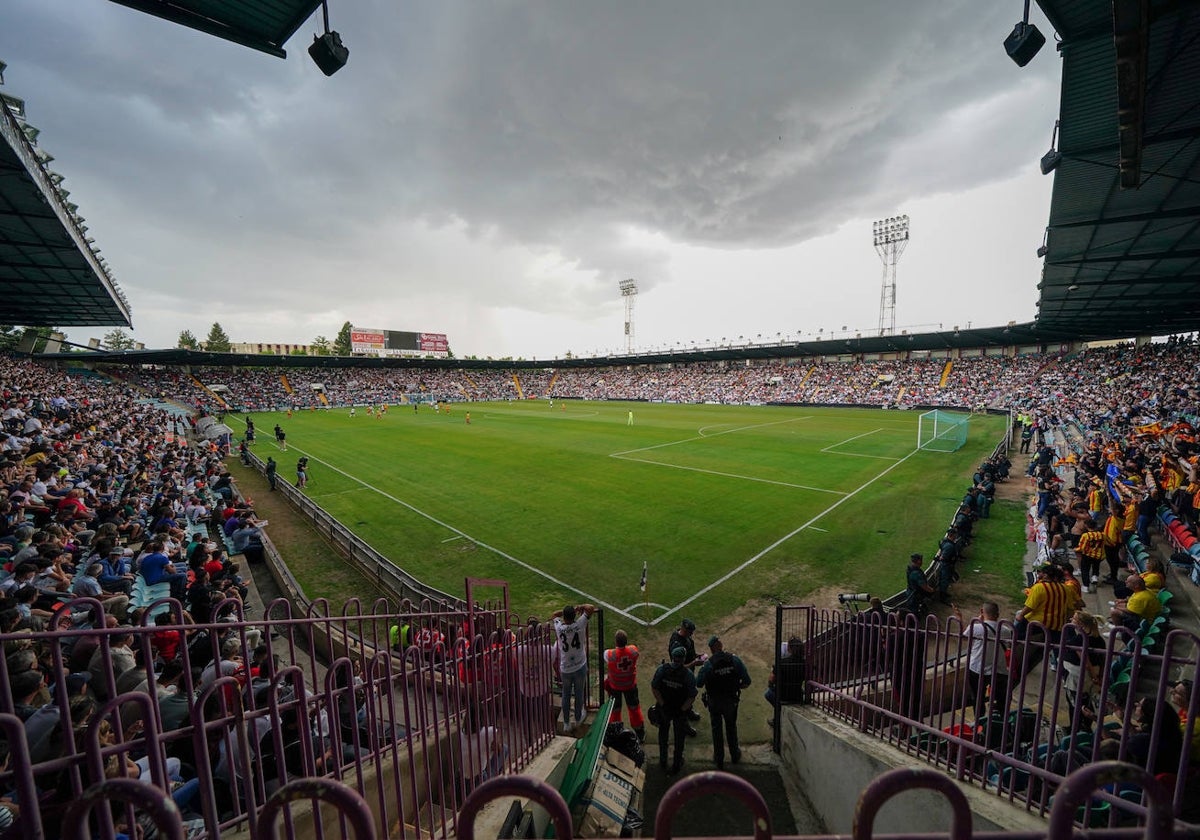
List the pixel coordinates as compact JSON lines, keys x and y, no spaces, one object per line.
{"x":721,"y":504}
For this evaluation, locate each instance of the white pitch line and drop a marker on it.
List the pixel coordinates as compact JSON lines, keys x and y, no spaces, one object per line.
{"x":706,"y":437}
{"x":333,"y":493}
{"x":646,"y":604}
{"x":731,"y":475}
{"x":781,"y":541}
{"x":588,"y":598}
{"x":848,"y":440}
{"x":815,"y":528}
{"x":857,"y":454}
{"x":452,"y":539}
{"x":861,"y":455}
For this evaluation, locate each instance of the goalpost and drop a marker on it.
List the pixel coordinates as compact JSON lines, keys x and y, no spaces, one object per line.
{"x":942,"y":431}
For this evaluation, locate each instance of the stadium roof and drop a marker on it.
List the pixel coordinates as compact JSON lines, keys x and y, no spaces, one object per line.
{"x":49,"y":274}
{"x":1014,"y":335}
{"x":263,"y":25}
{"x":1123,"y":241}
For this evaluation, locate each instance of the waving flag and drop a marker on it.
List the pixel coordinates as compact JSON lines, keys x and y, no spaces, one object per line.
{"x":643,"y":583}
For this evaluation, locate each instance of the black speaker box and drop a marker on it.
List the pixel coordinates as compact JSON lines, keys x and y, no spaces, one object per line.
{"x":1023,"y":44}
{"x":329,"y":54}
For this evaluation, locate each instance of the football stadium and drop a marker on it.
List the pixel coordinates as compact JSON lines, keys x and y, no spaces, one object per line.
{"x":929,"y":578}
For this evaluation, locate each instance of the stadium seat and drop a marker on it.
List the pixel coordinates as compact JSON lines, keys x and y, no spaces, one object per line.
{"x":144,"y":595}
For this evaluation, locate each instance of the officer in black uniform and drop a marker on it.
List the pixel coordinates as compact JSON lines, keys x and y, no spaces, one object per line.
{"x":723,"y":677}
{"x":674,"y":690}
{"x":682,"y":637}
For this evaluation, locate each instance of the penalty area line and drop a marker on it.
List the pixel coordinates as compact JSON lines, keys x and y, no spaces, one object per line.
{"x":706,"y":437}
{"x":829,"y":449}
{"x":781,"y":540}
{"x":729,"y":475}
{"x":588,"y":597}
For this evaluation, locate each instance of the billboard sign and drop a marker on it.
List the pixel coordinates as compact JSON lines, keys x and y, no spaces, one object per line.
{"x":373,"y":342}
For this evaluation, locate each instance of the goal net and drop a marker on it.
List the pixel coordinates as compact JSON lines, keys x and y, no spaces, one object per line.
{"x":942,"y":431}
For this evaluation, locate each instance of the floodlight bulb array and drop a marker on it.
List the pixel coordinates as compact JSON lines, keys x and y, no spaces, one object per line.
{"x":894,"y":229}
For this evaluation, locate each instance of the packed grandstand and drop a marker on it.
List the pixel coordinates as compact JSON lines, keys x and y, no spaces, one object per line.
{"x":118,"y":666}
{"x":1079,"y":385}
{"x":166,"y":676}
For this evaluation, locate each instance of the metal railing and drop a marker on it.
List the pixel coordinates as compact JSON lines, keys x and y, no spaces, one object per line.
{"x":699,"y":790}
{"x":908,"y":683}
{"x":244,"y":709}
{"x":370,"y":561}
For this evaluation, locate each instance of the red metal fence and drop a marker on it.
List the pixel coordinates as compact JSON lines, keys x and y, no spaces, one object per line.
{"x":908,"y":683}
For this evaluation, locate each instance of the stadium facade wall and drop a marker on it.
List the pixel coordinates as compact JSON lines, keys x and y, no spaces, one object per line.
{"x":830,"y":763}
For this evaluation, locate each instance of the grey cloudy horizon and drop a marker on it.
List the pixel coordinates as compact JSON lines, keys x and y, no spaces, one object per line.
{"x":492,"y":171}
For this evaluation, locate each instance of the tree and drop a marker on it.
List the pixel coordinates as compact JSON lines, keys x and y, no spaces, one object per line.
{"x":117,"y":339}
{"x":321,"y":346}
{"x":298,"y":351}
{"x":11,"y":336}
{"x":217,"y":341}
{"x":341,"y":344}
{"x":187,"y":341}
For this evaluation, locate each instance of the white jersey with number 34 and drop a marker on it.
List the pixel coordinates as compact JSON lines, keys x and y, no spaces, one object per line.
{"x":572,"y":644}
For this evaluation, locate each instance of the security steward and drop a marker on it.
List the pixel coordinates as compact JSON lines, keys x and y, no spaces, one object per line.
{"x":674,"y":690}
{"x":682,"y":637}
{"x":723,"y":676}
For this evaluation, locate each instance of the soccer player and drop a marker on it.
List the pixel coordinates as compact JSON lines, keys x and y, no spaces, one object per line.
{"x":352,"y":410}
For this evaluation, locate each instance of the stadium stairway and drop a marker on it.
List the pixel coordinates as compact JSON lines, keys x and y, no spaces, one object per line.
{"x":946,"y":374}
{"x":287,"y":386}
{"x":517,"y":383}
{"x":550,"y":387}
{"x":220,"y":400}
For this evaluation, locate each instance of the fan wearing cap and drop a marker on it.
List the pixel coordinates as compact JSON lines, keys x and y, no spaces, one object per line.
{"x":683,"y":637}
{"x":723,"y":676}
{"x":674,"y":690}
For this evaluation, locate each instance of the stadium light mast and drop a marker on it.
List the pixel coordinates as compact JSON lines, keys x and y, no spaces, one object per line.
{"x":629,"y":293}
{"x":891,"y":238}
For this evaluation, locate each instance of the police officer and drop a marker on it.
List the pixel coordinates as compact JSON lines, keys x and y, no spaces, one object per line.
{"x":674,"y":690}
{"x":682,"y":637}
{"x":723,"y":677}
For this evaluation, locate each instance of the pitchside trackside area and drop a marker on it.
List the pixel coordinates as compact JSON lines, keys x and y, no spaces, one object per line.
{"x":723,"y":503}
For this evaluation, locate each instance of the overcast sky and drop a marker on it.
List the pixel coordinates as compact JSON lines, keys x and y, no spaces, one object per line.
{"x":492,"y":170}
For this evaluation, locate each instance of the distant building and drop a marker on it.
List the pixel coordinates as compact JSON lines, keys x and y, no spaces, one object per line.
{"x":267,"y":348}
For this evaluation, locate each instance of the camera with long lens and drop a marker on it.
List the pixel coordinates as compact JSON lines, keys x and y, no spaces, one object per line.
{"x":854,"y":597}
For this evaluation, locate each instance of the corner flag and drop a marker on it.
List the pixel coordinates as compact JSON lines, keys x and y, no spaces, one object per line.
{"x":643,"y":583}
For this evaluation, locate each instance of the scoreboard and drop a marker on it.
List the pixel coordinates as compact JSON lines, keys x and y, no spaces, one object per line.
{"x":371,"y":342}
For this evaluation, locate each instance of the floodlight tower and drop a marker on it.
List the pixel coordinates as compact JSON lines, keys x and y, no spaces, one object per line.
{"x":629,"y":292}
{"x":891,"y":238}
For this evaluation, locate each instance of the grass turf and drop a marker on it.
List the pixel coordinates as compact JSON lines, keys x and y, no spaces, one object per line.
{"x":723,"y":503}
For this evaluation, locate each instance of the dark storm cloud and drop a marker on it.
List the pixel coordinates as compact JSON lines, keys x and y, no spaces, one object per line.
{"x":557,"y":126}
